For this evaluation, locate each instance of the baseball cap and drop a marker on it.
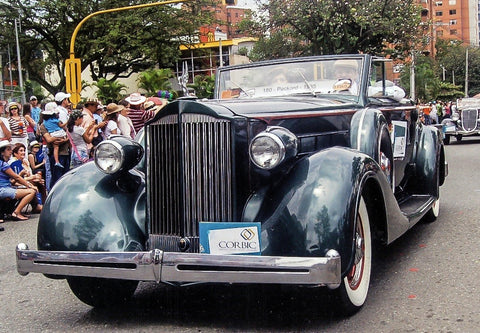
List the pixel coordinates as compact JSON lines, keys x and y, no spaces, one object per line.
{"x":60,"y":96}
{"x":32,"y":98}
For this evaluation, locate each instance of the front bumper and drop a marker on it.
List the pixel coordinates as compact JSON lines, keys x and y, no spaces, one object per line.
{"x":183,"y":268}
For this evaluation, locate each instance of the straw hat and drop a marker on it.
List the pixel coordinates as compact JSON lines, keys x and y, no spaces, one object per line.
{"x":136,"y":99}
{"x":113,"y":108}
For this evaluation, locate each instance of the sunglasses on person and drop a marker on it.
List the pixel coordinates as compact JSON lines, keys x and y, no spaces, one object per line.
{"x":13,"y":108}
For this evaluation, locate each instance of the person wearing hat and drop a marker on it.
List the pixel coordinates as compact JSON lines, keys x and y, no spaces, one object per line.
{"x":138,"y":114}
{"x":89,"y":111}
{"x":7,"y":191}
{"x":56,"y":171}
{"x":63,"y":102}
{"x":18,"y":124}
{"x":35,"y":158}
{"x":346,"y":72}
{"x":80,"y":137}
{"x":55,"y":128}
{"x":35,"y":110}
{"x":111,"y":117}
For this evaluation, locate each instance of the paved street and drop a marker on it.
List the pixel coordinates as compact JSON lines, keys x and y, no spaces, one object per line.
{"x":424,"y":282}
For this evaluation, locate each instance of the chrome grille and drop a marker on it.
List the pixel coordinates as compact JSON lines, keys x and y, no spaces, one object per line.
{"x":189,"y":175}
{"x":469,"y":119}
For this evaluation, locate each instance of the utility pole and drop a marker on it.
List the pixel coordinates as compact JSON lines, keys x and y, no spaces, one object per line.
{"x":466,"y":73}
{"x":412,"y":77}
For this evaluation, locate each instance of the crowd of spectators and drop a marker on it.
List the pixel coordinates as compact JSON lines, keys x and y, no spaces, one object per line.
{"x":39,"y":143}
{"x":434,"y":112}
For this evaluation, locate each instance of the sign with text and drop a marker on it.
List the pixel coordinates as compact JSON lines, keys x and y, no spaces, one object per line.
{"x":230,"y":238}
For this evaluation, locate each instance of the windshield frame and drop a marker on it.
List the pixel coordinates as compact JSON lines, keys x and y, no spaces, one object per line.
{"x":307,"y":85}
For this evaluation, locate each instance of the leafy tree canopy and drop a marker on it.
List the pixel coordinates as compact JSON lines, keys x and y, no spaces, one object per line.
{"x":334,"y":26}
{"x":112,"y":45}
{"x":451,"y":55}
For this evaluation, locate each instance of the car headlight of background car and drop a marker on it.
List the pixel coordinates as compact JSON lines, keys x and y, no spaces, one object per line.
{"x":271,"y":147}
{"x":117,"y":154}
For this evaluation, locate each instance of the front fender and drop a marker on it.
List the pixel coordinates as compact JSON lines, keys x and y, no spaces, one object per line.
{"x":88,"y":210}
{"x":366,"y":130}
{"x":428,"y":159}
{"x":314,"y":207}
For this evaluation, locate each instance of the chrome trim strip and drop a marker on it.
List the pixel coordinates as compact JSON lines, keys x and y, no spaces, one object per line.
{"x":360,"y":128}
{"x":167,"y":267}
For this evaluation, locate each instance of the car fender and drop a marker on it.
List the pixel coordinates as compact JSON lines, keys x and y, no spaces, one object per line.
{"x":313,"y":208}
{"x":429,"y":161}
{"x":88,"y":210}
{"x":366,"y":128}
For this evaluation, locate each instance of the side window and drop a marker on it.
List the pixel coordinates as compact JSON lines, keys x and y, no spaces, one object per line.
{"x":381,"y":82}
{"x":376,"y":80}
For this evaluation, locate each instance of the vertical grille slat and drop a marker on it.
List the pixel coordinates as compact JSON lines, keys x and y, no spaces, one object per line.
{"x":189,"y":175}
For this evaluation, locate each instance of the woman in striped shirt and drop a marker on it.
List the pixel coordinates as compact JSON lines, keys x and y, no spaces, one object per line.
{"x":18,"y":124}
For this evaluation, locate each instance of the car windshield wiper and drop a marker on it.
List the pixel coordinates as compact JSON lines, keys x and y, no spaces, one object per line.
{"x":312,"y":91}
{"x":239,"y":87}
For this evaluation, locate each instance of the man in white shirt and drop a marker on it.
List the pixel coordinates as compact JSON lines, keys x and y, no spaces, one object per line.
{"x":63,"y":102}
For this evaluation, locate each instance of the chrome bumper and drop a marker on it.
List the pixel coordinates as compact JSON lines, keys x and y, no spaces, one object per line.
{"x":173,"y":267}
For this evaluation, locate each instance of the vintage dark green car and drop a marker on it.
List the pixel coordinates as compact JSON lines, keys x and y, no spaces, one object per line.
{"x":288,"y":176}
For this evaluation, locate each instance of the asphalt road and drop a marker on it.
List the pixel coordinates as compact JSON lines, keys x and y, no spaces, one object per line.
{"x":424,"y":282}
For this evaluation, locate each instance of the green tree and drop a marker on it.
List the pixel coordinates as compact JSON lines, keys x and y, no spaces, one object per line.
{"x":332,"y":26}
{"x":153,"y":80}
{"x":109,"y":90}
{"x":427,"y":82}
{"x":449,"y":92}
{"x":203,"y":85}
{"x":451,"y":56}
{"x":112,"y":45}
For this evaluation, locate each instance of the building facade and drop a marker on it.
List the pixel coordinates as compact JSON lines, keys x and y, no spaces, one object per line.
{"x":451,"y":19}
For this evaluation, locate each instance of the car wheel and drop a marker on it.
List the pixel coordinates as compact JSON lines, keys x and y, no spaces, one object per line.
{"x":102,"y":292}
{"x":433,"y":212}
{"x":352,"y":293}
{"x":446,"y":140}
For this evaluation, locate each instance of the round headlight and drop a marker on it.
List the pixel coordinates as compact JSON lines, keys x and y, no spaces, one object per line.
{"x":267,"y":151}
{"x":455,"y":116}
{"x":109,"y":156}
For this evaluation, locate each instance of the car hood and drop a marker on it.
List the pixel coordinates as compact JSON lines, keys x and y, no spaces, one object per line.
{"x":252,"y":107}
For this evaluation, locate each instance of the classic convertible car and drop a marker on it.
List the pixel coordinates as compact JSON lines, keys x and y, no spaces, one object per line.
{"x":287,"y":176}
{"x":465,"y":120}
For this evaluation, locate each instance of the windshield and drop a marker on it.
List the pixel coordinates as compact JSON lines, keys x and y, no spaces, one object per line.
{"x":333,"y":76}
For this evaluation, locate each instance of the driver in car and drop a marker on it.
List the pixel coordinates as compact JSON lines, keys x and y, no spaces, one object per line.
{"x":346,"y":73}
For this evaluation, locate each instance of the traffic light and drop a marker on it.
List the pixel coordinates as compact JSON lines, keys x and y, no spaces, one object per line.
{"x":73,"y":73}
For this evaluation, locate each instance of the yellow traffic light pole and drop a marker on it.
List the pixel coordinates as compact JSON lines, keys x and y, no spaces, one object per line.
{"x":73,"y":66}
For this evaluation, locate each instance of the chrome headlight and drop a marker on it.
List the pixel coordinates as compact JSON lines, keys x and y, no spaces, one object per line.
{"x":117,"y":154}
{"x":455,"y":116}
{"x":270,"y":148}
